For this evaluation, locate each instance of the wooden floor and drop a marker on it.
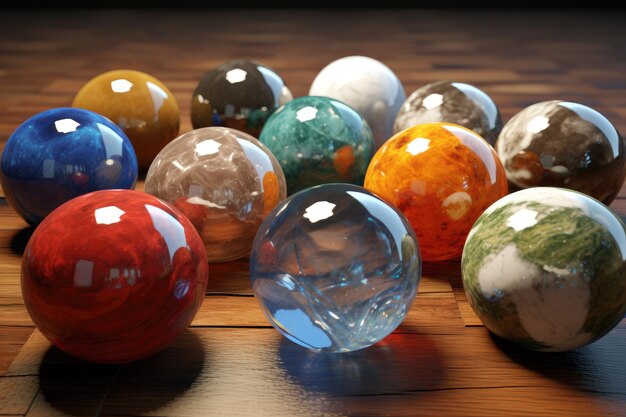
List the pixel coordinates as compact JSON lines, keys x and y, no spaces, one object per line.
{"x":441,"y":361}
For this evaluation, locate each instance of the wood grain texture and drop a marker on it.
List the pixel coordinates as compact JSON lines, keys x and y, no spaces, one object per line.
{"x":13,"y":338}
{"x":16,"y":394}
{"x":210,"y":371}
{"x":441,"y":360}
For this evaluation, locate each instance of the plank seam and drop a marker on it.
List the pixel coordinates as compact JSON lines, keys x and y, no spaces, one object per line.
{"x":106,"y":393}
{"x":33,"y":401}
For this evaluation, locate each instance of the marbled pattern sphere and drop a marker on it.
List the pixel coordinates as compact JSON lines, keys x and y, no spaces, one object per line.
{"x":238,"y":94}
{"x":319,"y":140}
{"x":114,"y":276}
{"x":458,"y":103}
{"x":563,"y":144}
{"x":137,"y":102}
{"x":546,"y":268}
{"x":225,"y":181}
{"x":60,"y":154}
{"x":335,"y":268}
{"x":442,"y":177}
{"x":366,"y":85}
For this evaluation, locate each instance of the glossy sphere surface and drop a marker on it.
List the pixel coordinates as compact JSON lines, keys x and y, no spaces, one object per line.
{"x":442,"y":177}
{"x":238,"y":94}
{"x":546,"y":268}
{"x":563,"y":144}
{"x":318,"y":140}
{"x":140,"y":104}
{"x":458,"y":103}
{"x":60,"y":154}
{"x":335,"y":268}
{"x":225,"y":181}
{"x":366,"y":85}
{"x":114,"y":276}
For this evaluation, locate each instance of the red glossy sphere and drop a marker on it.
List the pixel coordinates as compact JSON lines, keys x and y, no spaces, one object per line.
{"x":114,"y":276}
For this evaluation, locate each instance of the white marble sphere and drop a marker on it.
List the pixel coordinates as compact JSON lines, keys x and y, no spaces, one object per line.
{"x":368,"y":86}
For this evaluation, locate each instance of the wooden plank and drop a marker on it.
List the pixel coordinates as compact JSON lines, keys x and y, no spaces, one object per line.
{"x":207,"y":367}
{"x":10,"y":294}
{"x":489,"y":402}
{"x":467,"y":313}
{"x":281,"y":379}
{"x":436,"y":310}
{"x":29,"y":358}
{"x":17,"y":394}
{"x":230,"y":311}
{"x":15,"y":315}
{"x":462,"y":366}
{"x":428,"y":310}
{"x":12,"y":340}
{"x":230,"y":278}
{"x":233,"y":278}
{"x":8,"y":218}
{"x":433,"y":284}
{"x":11,"y":264}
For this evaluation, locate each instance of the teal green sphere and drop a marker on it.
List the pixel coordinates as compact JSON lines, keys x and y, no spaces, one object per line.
{"x":319,"y":140}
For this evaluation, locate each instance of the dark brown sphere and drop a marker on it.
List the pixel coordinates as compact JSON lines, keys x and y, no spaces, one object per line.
{"x":239,"y":94}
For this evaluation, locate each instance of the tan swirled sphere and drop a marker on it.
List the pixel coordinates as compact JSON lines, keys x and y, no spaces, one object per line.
{"x":225,"y":181}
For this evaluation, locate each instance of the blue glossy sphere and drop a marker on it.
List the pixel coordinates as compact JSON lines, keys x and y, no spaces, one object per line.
{"x":335,"y":268}
{"x":60,"y":154}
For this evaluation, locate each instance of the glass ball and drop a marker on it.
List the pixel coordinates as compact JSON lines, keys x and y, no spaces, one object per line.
{"x":224,"y":180}
{"x":114,"y":276}
{"x":545,"y":268}
{"x":451,"y":102}
{"x":319,"y":140}
{"x":60,"y":154}
{"x":335,"y":268}
{"x":563,"y":144}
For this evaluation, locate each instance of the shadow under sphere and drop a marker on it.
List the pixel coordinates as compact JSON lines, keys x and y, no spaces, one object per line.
{"x":399,"y":363}
{"x":20,"y":239}
{"x":598,"y":368}
{"x":78,"y":388}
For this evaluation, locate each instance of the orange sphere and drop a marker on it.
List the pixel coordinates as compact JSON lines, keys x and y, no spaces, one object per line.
{"x":138,"y":103}
{"x":442,"y":177}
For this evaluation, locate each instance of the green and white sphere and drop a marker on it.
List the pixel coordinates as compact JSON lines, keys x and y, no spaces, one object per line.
{"x":546,"y":268}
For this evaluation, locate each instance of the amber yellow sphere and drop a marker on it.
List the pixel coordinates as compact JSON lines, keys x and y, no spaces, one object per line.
{"x":138,"y":103}
{"x":442,"y":177}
